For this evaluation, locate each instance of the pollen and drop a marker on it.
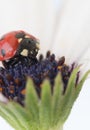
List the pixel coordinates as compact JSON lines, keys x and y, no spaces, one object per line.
{"x":23,"y":92}
{"x":59,"y":67}
{"x":1,"y":89}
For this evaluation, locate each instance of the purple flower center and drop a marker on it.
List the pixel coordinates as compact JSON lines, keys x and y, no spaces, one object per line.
{"x":13,"y":80}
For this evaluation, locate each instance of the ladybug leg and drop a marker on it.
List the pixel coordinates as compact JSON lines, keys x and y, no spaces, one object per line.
{"x":5,"y":64}
{"x":32,"y":61}
{"x":16,"y":60}
{"x":11,"y":62}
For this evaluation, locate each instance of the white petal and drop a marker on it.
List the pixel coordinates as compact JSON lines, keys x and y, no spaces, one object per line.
{"x":72,"y":38}
{"x":34,"y":16}
{"x":3,"y":99}
{"x":4,"y":125}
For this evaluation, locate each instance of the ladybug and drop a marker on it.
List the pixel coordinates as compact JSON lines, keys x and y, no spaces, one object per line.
{"x":18,"y":46}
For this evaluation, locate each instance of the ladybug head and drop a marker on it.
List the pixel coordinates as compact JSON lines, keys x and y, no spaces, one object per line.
{"x":28,"y":46}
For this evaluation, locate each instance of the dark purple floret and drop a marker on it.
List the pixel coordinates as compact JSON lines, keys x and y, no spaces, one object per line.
{"x":13,"y":80}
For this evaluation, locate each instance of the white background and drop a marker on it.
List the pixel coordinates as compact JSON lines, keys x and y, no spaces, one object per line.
{"x":13,"y":16}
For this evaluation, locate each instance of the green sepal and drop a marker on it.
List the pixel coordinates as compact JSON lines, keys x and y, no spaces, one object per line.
{"x":67,"y":99}
{"x":21,"y":114}
{"x":56,"y":98}
{"x":6,"y":113}
{"x":75,"y":90}
{"x":32,"y":101}
{"x":70,"y":95}
{"x":80,"y":84}
{"x":45,"y":106}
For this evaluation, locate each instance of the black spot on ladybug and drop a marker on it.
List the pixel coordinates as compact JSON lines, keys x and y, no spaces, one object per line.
{"x":3,"y":52}
{"x":20,"y":35}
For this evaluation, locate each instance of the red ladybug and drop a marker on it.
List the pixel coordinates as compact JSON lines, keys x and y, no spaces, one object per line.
{"x":16,"y":46}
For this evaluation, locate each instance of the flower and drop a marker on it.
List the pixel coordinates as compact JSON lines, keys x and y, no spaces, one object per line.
{"x":43,"y":104}
{"x":13,"y":79}
{"x":63,"y":31}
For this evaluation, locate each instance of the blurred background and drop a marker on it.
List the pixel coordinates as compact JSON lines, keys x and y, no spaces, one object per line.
{"x":63,"y":26}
